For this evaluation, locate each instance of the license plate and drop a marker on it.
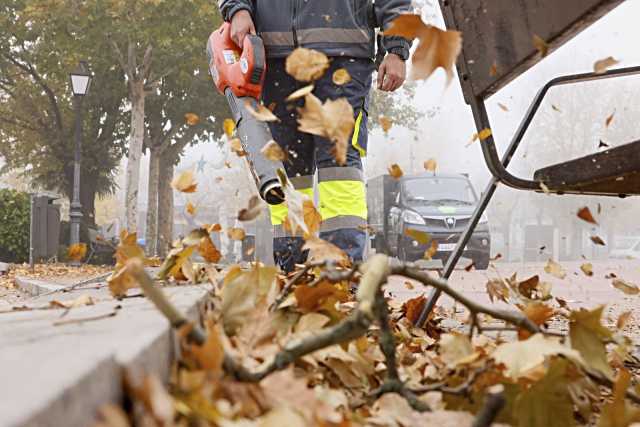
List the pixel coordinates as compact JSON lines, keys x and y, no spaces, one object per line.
{"x":446,"y":246}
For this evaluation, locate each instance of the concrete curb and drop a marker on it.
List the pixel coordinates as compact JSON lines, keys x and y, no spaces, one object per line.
{"x":60,"y":375}
{"x":36,"y":287}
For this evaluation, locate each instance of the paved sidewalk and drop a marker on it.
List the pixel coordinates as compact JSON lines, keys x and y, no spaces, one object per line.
{"x":58,"y":375}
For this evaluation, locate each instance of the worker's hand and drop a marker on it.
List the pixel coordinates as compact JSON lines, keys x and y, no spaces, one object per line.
{"x":391,"y":73}
{"x":241,"y":25}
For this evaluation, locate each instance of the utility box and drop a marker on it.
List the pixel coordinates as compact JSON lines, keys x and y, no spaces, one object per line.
{"x":45,"y":227}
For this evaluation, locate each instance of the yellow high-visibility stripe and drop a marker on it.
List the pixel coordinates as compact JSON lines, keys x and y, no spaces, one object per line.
{"x":342,"y":198}
{"x":356,"y":135}
{"x":279,"y":212}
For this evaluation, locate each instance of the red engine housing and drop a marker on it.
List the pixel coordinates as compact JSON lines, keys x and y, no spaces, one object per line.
{"x":241,"y":70}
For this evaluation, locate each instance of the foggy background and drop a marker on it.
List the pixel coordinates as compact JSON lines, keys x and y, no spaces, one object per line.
{"x":444,"y":131}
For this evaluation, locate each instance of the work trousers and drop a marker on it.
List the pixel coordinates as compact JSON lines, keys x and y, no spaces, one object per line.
{"x":341,"y":190}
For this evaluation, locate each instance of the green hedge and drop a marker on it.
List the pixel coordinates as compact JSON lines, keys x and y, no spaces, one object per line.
{"x":14,"y":226}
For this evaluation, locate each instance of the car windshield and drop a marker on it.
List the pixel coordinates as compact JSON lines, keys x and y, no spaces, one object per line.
{"x":438,"y":190}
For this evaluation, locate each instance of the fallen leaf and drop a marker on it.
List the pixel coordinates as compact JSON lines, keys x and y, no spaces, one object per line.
{"x":538,"y":313}
{"x":272,"y":151}
{"x":588,"y":336}
{"x":332,"y":120}
{"x":540,"y":45}
{"x":236,"y":146}
{"x":626,"y":287}
{"x":529,"y":287}
{"x":617,"y":412}
{"x":597,"y":240}
{"x":120,"y":280}
{"x":587,"y":269}
{"x":585,"y":214}
{"x":208,"y":250}
{"x":623,"y":319}
{"x":191,"y":209}
{"x":601,"y":65}
{"x":210,"y":355}
{"x":408,"y":285}
{"x":175,"y":260}
{"x":77,"y":252}
{"x":313,"y":298}
{"x":308,"y":219}
{"x":252,"y":210}
{"x":609,"y":119}
{"x":191,"y":119}
{"x":385,"y":123}
{"x":306,"y":65}
{"x":455,"y":348}
{"x":321,"y":250}
{"x":260,"y":112}
{"x":300,"y":93}
{"x":341,"y":77}
{"x":413,"y":307}
{"x":430,"y":165}
{"x":503,"y":107}
{"x":519,"y":357}
{"x":497,"y":289}
{"x":555,"y":108}
{"x":395,"y":171}
{"x":229,"y":127}
{"x":436,"y":48}
{"x":236,"y":233}
{"x":76,"y":302}
{"x":185,"y":182}
{"x":554,"y":269}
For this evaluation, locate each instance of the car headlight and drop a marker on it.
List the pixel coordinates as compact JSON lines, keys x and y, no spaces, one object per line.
{"x":412,"y":218}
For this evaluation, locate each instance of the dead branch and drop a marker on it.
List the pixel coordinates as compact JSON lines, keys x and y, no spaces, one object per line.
{"x":460,"y":390}
{"x":85,"y":319}
{"x":492,"y":406}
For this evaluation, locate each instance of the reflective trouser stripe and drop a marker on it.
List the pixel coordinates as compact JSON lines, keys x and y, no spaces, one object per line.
{"x":316,"y":35}
{"x":342,"y":198}
{"x":303,"y":184}
{"x":356,"y":135}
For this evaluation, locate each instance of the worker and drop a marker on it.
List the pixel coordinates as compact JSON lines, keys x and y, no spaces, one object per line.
{"x":344,"y":30}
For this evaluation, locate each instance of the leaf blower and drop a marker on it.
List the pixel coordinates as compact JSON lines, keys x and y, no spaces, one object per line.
{"x":239,"y":76}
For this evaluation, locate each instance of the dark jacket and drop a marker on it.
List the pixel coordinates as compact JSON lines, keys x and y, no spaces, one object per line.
{"x":335,"y":27}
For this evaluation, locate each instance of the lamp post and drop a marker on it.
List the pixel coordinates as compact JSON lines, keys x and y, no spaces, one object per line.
{"x":80,"y":82}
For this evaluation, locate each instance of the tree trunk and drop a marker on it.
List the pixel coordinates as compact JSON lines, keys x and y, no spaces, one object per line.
{"x":151,"y":235}
{"x":136,"y":140}
{"x":87,"y":199}
{"x":165,"y":206}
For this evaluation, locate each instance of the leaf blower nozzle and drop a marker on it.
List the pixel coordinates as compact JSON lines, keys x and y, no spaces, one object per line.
{"x":239,"y":75}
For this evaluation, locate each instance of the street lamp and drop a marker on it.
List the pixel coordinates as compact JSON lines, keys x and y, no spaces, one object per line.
{"x":80,"y":82}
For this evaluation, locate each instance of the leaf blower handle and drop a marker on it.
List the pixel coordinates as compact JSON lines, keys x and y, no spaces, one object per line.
{"x":239,"y":76}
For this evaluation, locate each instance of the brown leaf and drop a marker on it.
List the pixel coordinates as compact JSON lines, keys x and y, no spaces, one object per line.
{"x":252,"y":211}
{"x":421,"y":237}
{"x":236,"y":146}
{"x":208,"y":250}
{"x":601,"y":65}
{"x":585,"y":215}
{"x":229,"y":127}
{"x":626,"y":287}
{"x":597,"y":240}
{"x":497,"y":289}
{"x":538,"y":313}
{"x":618,"y":412}
{"x":332,"y":120}
{"x":431,"y":251}
{"x":503,"y":107}
{"x":185,"y":182}
{"x":191,"y":209}
{"x":609,"y":119}
{"x":77,"y":302}
{"x":313,"y":298}
{"x":262,"y":113}
{"x":529,"y":286}
{"x":554,"y":108}
{"x":210,"y":355}
{"x":341,"y":77}
{"x":493,"y":70}
{"x":176,"y":259}
{"x":540,"y":45}
{"x":587,"y":269}
{"x":306,"y":65}
{"x":300,"y":93}
{"x":623,"y":319}
{"x":589,"y":337}
{"x":430,"y":165}
{"x":413,"y":307}
{"x":395,"y":171}
{"x":306,"y":218}
{"x":236,"y":233}
{"x":321,"y":250}
{"x":436,"y":48}
{"x":272,"y":151}
{"x":77,"y":252}
{"x":191,"y":119}
{"x":385,"y":123}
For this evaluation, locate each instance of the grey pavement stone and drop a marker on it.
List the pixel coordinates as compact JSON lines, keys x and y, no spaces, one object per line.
{"x":59,"y":375}
{"x":35,"y":287}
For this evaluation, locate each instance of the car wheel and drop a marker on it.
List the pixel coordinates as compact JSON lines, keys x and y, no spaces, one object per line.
{"x":482,"y":262}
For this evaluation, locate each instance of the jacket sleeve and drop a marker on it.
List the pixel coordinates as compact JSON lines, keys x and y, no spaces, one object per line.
{"x":385,"y":12}
{"x":228,"y":8}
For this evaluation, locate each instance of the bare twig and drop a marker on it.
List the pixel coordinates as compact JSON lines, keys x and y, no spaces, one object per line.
{"x":461,"y":389}
{"x":85,"y":319}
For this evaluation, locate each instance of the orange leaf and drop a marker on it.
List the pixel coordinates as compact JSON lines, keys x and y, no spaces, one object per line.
{"x":77,"y":252}
{"x":413,"y":307}
{"x":185,"y":182}
{"x":192,"y":119}
{"x":585,"y":215}
{"x":395,"y":171}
